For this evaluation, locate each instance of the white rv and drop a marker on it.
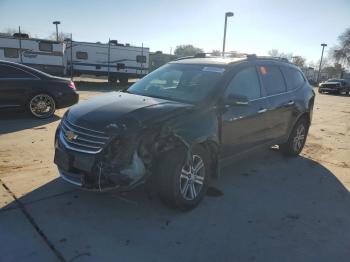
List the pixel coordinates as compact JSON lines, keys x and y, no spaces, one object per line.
{"x":42,"y":54}
{"x":118,"y":61}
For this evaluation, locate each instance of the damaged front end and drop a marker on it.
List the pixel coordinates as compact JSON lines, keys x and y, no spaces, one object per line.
{"x":125,"y":156}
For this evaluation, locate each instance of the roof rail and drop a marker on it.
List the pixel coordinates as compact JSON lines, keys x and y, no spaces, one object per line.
{"x":235,"y":55}
{"x":278,"y":58}
{"x":210,"y":54}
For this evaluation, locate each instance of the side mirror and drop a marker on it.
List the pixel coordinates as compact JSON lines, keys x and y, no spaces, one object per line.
{"x":233,"y":100}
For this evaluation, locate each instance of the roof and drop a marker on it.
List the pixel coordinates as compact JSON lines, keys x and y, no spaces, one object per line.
{"x":201,"y":58}
{"x":208,"y":60}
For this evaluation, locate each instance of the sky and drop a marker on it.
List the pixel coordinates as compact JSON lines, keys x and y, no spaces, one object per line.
{"x":294,"y":26}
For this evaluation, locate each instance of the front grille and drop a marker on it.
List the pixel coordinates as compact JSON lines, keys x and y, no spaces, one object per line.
{"x":331,"y":86}
{"x":82,"y":139}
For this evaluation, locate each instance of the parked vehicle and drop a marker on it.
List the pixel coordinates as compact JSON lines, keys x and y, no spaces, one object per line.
{"x":113,"y":59}
{"x":119,"y":61}
{"x":178,"y":125}
{"x":336,"y":86}
{"x":42,"y":54}
{"x":25,"y":88}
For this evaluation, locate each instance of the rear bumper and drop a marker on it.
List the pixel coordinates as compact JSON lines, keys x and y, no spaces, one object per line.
{"x":67,"y":99}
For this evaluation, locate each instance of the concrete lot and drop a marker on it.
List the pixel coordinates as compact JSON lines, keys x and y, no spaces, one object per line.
{"x":271,"y":208}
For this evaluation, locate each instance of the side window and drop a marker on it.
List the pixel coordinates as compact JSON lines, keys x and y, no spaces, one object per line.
{"x":245,"y":83}
{"x":82,"y":55}
{"x":12,"y":72}
{"x":45,"y":46}
{"x":293,"y":78}
{"x":141,"y":59}
{"x":272,"y":80}
{"x":11,"y":52}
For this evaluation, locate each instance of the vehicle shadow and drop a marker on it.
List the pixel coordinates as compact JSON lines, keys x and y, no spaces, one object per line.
{"x":16,"y":121}
{"x":271,"y":208}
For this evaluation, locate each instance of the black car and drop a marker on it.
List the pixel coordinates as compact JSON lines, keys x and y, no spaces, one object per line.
{"x":25,"y":88}
{"x":179,"y":124}
{"x":336,"y":86}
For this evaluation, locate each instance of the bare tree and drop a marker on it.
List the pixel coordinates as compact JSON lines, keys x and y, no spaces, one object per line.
{"x":299,"y":61}
{"x":61,"y":36}
{"x":341,"y":52}
{"x":216,"y":52}
{"x":276,"y":53}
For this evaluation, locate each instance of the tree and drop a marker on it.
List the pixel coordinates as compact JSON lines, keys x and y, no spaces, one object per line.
{"x":341,"y":52}
{"x":216,"y":52}
{"x":61,"y":36}
{"x":276,"y":53}
{"x":187,"y":50}
{"x":334,"y":71}
{"x":299,"y":61}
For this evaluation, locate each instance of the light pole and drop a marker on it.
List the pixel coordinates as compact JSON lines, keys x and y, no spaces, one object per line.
{"x":319,"y":68}
{"x":227,"y":14}
{"x":56,"y":23}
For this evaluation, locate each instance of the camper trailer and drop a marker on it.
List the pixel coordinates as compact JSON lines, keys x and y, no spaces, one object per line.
{"x":117,"y":61}
{"x":41,"y":54}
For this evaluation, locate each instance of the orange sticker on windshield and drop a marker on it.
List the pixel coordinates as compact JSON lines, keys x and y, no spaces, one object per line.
{"x":263,"y":70}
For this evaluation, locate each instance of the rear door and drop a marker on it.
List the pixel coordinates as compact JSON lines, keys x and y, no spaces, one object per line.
{"x":14,"y":85}
{"x":295,"y":82}
{"x":281,"y":102}
{"x":244,"y":126}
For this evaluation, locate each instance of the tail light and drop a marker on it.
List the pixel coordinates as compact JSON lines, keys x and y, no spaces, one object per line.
{"x":71,"y":85}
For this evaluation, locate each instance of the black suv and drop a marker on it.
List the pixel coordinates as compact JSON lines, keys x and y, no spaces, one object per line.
{"x":179,"y":124}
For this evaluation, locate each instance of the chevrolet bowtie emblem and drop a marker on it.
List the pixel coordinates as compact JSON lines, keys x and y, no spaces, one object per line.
{"x":70,"y":135}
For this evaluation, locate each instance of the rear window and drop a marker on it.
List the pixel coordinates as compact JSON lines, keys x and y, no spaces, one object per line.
{"x":272,"y":80}
{"x":45,"y":46}
{"x":82,"y":55}
{"x":293,"y":78}
{"x":11,"y":52}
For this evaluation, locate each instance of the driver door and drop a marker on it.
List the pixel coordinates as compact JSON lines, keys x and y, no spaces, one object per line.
{"x":244,"y":126}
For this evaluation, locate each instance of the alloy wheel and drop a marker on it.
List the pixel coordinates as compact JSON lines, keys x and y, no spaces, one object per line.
{"x":42,"y":105}
{"x":192,"y":178}
{"x":299,"y":138}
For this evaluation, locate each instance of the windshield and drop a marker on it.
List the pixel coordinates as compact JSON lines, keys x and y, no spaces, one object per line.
{"x":181,"y":82}
{"x":333,"y":80}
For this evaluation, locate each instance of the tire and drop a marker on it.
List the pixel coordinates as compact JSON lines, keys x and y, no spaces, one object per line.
{"x":178,"y":185}
{"x":297,"y":138}
{"x":42,"y":105}
{"x":320,"y":91}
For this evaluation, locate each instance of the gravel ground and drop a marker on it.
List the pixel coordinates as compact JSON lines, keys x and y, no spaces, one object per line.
{"x":270,"y":208}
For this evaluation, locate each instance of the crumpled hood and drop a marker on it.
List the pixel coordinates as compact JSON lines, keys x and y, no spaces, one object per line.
{"x":118,"y":107}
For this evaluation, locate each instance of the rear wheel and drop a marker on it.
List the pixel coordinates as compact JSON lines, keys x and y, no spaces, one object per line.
{"x":297,"y":138}
{"x":183,"y":180}
{"x":42,"y":106}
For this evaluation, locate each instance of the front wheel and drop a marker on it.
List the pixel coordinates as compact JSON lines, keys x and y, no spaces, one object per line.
{"x":42,"y":106}
{"x":297,"y":138}
{"x":182,"y":179}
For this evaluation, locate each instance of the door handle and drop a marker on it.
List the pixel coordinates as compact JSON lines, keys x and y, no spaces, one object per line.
{"x":290,"y":103}
{"x":262,"y":110}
